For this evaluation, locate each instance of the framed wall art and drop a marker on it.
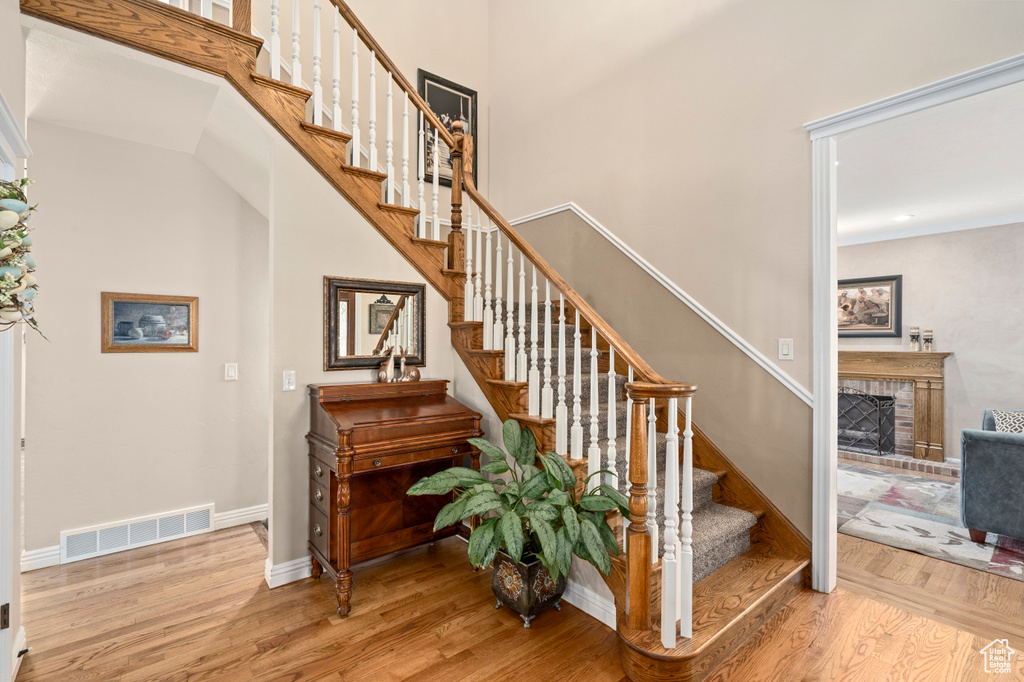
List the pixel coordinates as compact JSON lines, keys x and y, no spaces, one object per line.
{"x":451,"y":102}
{"x":149,"y":323}
{"x":871,"y":307}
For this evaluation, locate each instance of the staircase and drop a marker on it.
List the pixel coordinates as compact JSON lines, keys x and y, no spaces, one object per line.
{"x":707,"y":559}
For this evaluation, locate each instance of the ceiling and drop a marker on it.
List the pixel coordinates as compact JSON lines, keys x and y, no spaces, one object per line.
{"x":955,"y":166}
{"x":95,"y":86}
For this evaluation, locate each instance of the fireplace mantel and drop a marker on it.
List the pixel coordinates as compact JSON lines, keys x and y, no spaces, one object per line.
{"x":926,"y":370}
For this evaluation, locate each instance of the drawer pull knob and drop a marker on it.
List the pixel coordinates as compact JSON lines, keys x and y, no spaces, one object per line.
{"x":318,"y":495}
{"x":317,"y":531}
{"x":376,"y":462}
{"x":455,"y":449}
{"x":318,"y":471}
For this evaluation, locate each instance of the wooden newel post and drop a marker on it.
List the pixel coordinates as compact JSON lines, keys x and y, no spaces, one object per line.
{"x":241,"y":15}
{"x":456,"y":239}
{"x":638,"y":543}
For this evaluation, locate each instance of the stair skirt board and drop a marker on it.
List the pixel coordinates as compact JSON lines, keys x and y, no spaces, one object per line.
{"x":193,"y":521}
{"x":595,"y":602}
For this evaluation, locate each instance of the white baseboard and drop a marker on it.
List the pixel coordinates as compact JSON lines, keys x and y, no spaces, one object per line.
{"x":35,"y":559}
{"x":277,"y":575}
{"x":241,"y":516}
{"x":590,"y":602}
{"x":19,"y":644}
{"x":45,"y":557}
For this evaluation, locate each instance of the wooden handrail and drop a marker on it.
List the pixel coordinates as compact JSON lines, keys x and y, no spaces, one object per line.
{"x":399,"y":306}
{"x":642,"y":370}
{"x":349,"y":16}
{"x":639,"y":390}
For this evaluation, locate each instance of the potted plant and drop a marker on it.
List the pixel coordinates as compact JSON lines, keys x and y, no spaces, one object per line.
{"x":532,"y":522}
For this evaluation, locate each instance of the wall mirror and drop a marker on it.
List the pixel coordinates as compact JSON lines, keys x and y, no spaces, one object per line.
{"x":364,"y":319}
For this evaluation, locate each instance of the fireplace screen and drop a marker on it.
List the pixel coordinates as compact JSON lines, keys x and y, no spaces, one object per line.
{"x":867,"y":423}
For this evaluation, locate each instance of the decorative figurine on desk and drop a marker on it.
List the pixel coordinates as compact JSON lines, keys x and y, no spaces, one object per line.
{"x":927,"y":339}
{"x":915,"y":338}
{"x":387,"y":368}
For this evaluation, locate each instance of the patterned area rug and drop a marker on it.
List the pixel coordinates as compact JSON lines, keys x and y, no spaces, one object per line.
{"x":921,"y":515}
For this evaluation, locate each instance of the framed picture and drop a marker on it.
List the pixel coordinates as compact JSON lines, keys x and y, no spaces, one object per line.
{"x":871,"y":307}
{"x":380,"y":314}
{"x":451,"y":102}
{"x":149,"y":323}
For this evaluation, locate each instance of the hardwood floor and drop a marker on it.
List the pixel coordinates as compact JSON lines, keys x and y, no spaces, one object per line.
{"x":198,"y":609}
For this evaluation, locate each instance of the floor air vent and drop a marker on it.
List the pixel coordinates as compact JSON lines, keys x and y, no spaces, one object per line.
{"x":107,"y":538}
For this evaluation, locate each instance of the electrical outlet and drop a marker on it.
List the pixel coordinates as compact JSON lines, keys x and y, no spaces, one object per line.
{"x":231,"y":371}
{"x":289,"y":380}
{"x":785,"y":349}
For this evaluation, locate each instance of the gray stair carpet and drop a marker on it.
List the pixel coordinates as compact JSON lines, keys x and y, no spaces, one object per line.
{"x":720,"y":533}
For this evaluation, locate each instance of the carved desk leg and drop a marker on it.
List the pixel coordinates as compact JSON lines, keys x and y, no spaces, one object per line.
{"x":315,"y":570}
{"x":343,"y":584}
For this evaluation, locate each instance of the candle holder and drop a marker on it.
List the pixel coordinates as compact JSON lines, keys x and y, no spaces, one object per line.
{"x":915,"y":338}
{"x":928,"y":339}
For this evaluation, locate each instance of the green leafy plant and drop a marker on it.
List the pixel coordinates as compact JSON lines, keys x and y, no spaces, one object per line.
{"x":532,"y":512}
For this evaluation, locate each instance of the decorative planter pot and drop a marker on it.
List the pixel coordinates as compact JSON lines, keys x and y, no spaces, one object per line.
{"x":525,"y":588}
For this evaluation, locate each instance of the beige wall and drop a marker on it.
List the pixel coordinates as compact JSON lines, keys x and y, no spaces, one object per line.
{"x":967,"y":286}
{"x":679,"y":126}
{"x":114,"y":436}
{"x":316,"y":233}
{"x":762,"y":426}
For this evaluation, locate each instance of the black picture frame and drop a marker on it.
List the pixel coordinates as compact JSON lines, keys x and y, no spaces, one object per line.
{"x":870,"y":307}
{"x":444,"y":97}
{"x":335,"y":289}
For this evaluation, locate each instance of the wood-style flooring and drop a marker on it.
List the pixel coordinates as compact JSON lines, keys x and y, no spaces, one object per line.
{"x":199,"y":609}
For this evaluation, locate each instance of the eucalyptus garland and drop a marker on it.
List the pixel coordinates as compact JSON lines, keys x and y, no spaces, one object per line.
{"x":17,"y":267}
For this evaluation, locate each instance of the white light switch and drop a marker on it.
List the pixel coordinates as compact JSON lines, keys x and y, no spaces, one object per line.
{"x":231,"y":371}
{"x":289,"y":380}
{"x":785,"y":349}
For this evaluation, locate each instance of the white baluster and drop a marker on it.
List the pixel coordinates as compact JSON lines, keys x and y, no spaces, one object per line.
{"x":669,"y":567}
{"x":613,"y":478}
{"x":652,"y":478}
{"x":468,"y":308}
{"x":547,"y":393}
{"x":318,"y":89}
{"x":371,"y":162}
{"x":534,"y":377}
{"x":510,"y":343}
{"x":435,"y":224}
{"x":576,"y":433}
{"x":421,"y":168}
{"x":406,"y":198}
{"x":499,"y":329}
{"x":686,"y":539}
{"x":206,"y":9}
{"x":521,"y":368}
{"x":275,"y":39}
{"x":488,"y":314}
{"x":336,"y":89}
{"x":389,"y":141}
{"x":356,"y":156}
{"x":478,"y":272}
{"x":561,"y":413}
{"x":296,"y":52}
{"x":594,"y":451}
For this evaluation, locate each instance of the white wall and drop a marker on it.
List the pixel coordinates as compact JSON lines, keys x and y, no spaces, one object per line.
{"x":113,"y":436}
{"x":967,"y":286}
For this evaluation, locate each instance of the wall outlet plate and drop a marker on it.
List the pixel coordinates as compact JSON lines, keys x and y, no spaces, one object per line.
{"x":231,"y":371}
{"x":288,"y":383}
{"x":785,"y":349}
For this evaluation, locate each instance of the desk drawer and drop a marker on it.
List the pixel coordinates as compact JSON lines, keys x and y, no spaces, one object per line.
{"x":402,"y":459}
{"x":320,"y":531}
{"x":319,"y":496}
{"x":319,"y":472}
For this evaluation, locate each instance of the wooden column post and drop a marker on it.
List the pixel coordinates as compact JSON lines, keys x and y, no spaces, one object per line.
{"x":241,"y":16}
{"x":456,"y":238}
{"x":638,"y":570}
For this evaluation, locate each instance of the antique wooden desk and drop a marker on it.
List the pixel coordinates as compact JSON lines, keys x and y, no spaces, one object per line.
{"x":368,"y":443}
